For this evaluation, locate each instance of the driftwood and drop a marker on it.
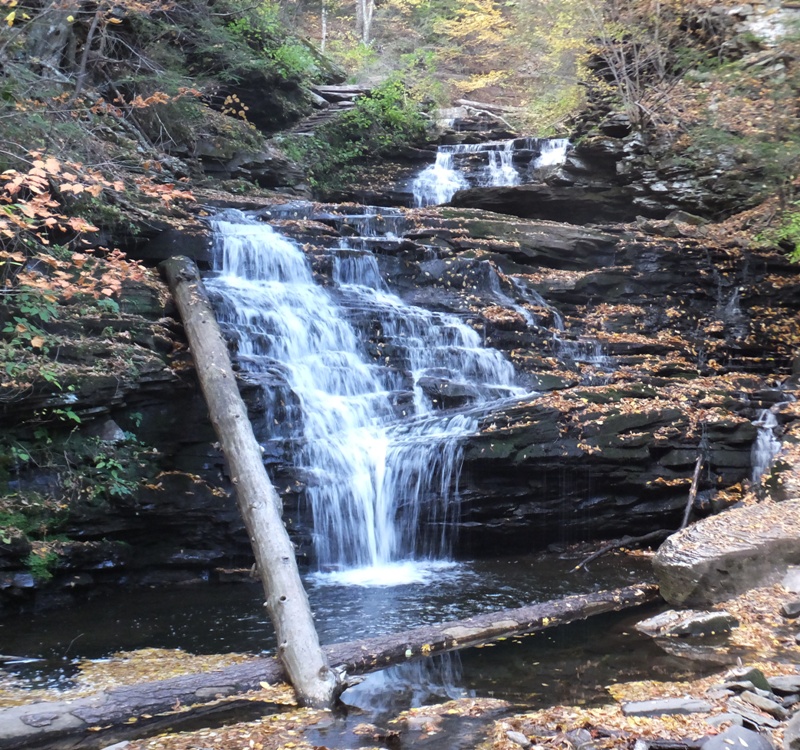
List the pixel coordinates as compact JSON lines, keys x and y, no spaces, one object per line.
{"x":626,"y":541}
{"x":486,"y":107}
{"x":68,"y":724}
{"x":285,"y":598}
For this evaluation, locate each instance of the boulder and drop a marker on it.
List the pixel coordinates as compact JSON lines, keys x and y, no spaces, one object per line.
{"x":724,"y":555}
{"x":791,"y":609}
{"x":687,"y":623}
{"x":791,"y":581}
{"x":785,"y":684}
{"x":738,"y":737}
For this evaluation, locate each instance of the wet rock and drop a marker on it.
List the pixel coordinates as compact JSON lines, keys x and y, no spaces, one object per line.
{"x":687,"y":623}
{"x":791,"y":609}
{"x":16,"y":581}
{"x":518,"y":739}
{"x":666,"y":706}
{"x":785,"y":684}
{"x":554,"y":203}
{"x":738,"y":737}
{"x":791,"y":736}
{"x":722,"y":556}
{"x":193,"y":242}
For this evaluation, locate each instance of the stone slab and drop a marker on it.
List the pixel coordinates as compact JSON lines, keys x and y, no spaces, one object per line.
{"x":724,"y":555}
{"x":666,"y":706}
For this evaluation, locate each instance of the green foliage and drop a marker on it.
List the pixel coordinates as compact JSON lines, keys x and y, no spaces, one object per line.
{"x":772,"y":159}
{"x":31,"y":514}
{"x":24,"y":311}
{"x":380,"y":123}
{"x":787,"y":232}
{"x":89,"y":470}
{"x":353,"y":56}
{"x":41,"y":563}
{"x":293,"y":60}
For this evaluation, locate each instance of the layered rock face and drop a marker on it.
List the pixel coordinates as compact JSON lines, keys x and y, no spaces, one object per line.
{"x":643,"y":355}
{"x":640,"y":354}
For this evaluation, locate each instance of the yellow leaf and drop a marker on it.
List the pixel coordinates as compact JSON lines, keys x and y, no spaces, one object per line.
{"x":114,"y":20}
{"x":37,"y":342}
{"x":10,"y":17}
{"x":70,"y":19}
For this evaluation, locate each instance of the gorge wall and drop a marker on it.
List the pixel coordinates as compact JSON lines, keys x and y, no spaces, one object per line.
{"x":641,"y":352}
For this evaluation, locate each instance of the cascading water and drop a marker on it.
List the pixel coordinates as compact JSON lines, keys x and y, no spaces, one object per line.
{"x":439,"y":182}
{"x":379,"y":454}
{"x":501,"y":169}
{"x":766,"y":446}
{"x":553,"y":152}
{"x":587,"y":351}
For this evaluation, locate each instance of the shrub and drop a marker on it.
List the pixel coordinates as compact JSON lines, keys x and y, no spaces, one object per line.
{"x":381,"y":122}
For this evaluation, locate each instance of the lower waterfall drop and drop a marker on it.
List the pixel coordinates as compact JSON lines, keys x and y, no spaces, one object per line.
{"x":766,"y":446}
{"x":381,"y":470}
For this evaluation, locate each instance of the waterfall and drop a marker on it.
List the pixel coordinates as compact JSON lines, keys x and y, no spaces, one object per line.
{"x":766,"y":446}
{"x":379,"y":453}
{"x":501,"y":169}
{"x":553,"y":153}
{"x":439,"y":182}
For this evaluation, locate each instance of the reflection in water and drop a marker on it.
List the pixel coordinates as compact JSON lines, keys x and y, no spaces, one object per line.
{"x":418,"y":683}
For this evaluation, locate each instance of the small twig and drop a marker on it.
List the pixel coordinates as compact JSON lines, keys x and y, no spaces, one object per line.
{"x":692,"y":491}
{"x":626,"y":541}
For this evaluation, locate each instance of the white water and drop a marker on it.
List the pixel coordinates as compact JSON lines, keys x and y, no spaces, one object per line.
{"x":553,"y":153}
{"x":501,"y":169}
{"x":380,"y":458}
{"x":587,"y":351}
{"x":439,"y":182}
{"x":766,"y":446}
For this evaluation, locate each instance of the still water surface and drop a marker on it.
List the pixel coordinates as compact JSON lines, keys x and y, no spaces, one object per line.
{"x":221,"y":618}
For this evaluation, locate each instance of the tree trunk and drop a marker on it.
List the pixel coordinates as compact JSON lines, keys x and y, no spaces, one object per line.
{"x":65,"y":724}
{"x":364,"y":12}
{"x":259,"y":504}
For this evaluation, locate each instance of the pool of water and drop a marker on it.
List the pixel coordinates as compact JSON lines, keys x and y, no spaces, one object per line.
{"x":222,"y":618}
{"x":569,"y":665}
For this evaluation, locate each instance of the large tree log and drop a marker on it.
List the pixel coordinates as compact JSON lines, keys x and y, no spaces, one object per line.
{"x":65,"y":724}
{"x":259,"y":504}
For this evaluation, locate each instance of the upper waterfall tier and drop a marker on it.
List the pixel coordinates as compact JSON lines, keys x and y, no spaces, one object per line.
{"x":491,"y":164}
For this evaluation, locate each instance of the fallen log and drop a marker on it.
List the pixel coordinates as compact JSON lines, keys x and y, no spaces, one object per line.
{"x":285,"y":598}
{"x":106,"y":717}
